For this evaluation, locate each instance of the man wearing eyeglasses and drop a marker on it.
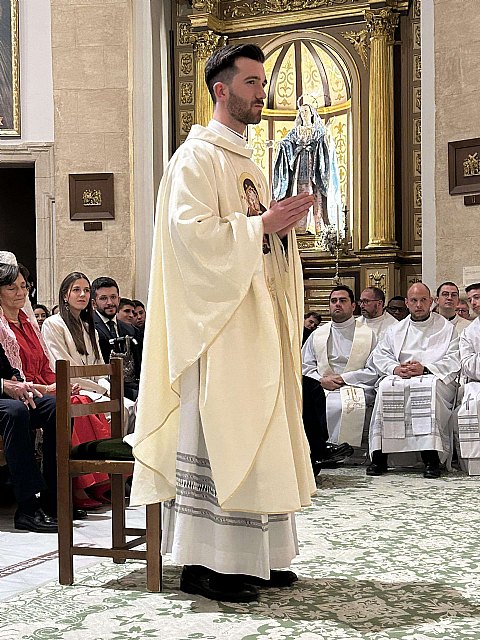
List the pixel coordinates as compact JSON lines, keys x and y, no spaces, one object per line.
{"x":372,"y":308}
{"x":447,"y":300}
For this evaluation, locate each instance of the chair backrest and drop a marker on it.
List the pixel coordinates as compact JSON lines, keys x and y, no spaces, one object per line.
{"x":66,"y":411}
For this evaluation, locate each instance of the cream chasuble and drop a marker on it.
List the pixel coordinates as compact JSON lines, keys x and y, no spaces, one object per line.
{"x":235,"y":313}
{"x":414,"y":414}
{"x":343,"y":348}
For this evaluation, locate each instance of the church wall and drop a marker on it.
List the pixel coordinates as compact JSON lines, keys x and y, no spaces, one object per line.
{"x":91,"y":40}
{"x":457,"y":95}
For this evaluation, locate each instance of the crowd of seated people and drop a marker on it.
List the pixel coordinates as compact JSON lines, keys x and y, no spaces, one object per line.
{"x":27,"y":386}
{"x":392,"y":372}
{"x":400,"y":385}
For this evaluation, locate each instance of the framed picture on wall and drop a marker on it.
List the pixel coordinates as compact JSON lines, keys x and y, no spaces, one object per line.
{"x":91,"y":196}
{"x":9,"y":70}
{"x":464,"y":166}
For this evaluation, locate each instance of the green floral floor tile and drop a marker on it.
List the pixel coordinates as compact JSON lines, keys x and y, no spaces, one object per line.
{"x":395,"y":557}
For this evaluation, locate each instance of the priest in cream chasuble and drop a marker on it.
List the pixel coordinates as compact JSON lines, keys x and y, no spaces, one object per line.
{"x":219,"y":434}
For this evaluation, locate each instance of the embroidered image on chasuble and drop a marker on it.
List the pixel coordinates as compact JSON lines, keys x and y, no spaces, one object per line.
{"x":237,"y":312}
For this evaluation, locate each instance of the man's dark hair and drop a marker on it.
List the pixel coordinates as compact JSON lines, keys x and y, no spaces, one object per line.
{"x":220,"y":67}
{"x":471,"y":287}
{"x":377,"y":292}
{"x":138,"y":303}
{"x":401,"y":298}
{"x":125,"y":302}
{"x":450,"y":284}
{"x":100,"y":283}
{"x":342,"y":287}
{"x":313,"y":314}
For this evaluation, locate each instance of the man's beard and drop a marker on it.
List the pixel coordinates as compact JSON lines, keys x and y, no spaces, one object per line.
{"x":242,"y":111}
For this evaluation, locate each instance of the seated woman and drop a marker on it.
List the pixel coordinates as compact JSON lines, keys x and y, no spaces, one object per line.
{"x":36,"y":369}
{"x":41,"y":313}
{"x":71,"y":335}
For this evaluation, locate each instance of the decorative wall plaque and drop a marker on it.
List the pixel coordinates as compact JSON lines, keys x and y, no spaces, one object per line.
{"x":91,"y":196}
{"x":464,"y":166}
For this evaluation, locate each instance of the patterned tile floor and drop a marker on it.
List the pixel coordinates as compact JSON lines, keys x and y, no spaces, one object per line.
{"x":395,"y":557}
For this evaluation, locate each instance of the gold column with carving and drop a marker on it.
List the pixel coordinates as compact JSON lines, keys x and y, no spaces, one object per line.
{"x":204,"y":44}
{"x":381,"y":26}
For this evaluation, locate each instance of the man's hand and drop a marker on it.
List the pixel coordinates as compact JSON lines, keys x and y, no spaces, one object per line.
{"x":415,"y":368}
{"x":402,"y":371}
{"x":332,"y":382}
{"x":285,"y":214}
{"x":409,"y":369}
{"x":23,"y":391}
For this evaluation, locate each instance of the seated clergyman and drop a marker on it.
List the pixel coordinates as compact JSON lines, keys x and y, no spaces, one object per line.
{"x":335,"y":355}
{"x":447,"y":300}
{"x":372,"y":308}
{"x":468,"y":412}
{"x":419,"y":362}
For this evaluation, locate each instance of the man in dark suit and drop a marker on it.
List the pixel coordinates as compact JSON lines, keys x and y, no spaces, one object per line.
{"x":106,"y":298}
{"x":22,"y":410}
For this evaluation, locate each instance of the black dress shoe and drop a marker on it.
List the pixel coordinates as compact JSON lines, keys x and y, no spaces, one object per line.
{"x":376,"y":469}
{"x":38,"y":523}
{"x":278,"y":579}
{"x":334,"y":451}
{"x":431,"y":472}
{"x":216,"y":586}
{"x":79,"y":514}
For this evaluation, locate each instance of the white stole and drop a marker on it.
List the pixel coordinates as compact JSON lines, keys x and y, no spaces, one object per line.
{"x":352,"y":398}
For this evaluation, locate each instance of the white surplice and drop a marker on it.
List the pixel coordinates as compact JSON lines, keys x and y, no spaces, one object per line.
{"x":378,"y":325}
{"x":336,"y":360}
{"x":434,"y":343}
{"x":460,"y":323}
{"x":467,"y":418}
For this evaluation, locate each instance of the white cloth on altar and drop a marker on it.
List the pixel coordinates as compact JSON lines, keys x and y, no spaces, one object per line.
{"x":339,"y":349}
{"x":238,"y":314}
{"x":433,"y":343}
{"x":379,"y":325}
{"x":196,"y":530}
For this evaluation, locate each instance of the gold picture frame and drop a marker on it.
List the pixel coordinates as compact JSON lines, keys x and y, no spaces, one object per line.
{"x":9,"y":70}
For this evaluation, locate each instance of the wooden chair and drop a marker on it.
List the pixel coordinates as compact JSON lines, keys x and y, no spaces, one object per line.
{"x":111,"y":456}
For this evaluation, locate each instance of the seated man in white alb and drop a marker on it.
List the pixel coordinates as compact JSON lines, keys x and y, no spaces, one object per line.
{"x":447,"y":300}
{"x":336,"y":354}
{"x":372,"y":308}
{"x":419,"y":362}
{"x":468,"y":412}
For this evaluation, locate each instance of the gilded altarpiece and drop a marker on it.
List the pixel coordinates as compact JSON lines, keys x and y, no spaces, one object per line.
{"x":358,"y":63}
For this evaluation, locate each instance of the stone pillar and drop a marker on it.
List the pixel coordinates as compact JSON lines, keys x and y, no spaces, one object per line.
{"x":204,"y":44}
{"x":381,"y":26}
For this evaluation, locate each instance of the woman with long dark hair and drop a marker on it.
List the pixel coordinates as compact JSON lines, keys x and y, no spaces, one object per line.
{"x":70,"y":335}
